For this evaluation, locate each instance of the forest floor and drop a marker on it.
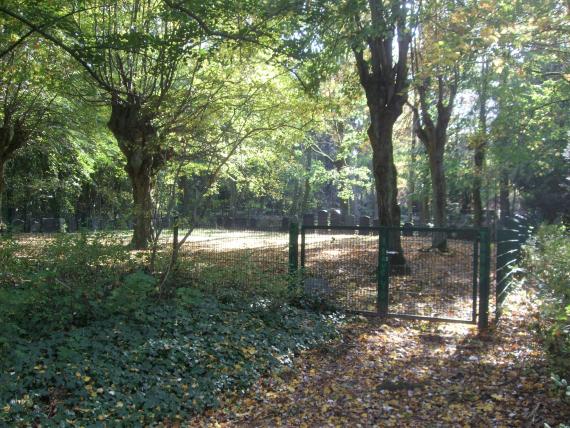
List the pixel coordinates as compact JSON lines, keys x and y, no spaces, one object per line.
{"x":410,"y":374}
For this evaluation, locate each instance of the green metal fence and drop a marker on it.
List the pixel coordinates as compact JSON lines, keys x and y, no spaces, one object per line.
{"x":359,"y":269}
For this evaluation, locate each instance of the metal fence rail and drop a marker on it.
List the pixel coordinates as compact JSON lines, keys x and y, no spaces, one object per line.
{"x":355,"y":268}
{"x":244,"y":258}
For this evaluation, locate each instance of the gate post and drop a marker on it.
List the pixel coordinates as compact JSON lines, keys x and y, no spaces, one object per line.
{"x":383,"y":273}
{"x":293,"y":253}
{"x":484,"y":278}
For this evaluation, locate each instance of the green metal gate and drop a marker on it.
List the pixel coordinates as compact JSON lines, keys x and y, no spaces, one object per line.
{"x":357,"y":269}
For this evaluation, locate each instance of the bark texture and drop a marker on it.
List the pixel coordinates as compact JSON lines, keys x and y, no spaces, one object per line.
{"x":12,"y":137}
{"x":139,"y":142}
{"x":433,"y":134}
{"x":385,"y":83}
{"x":480,"y":146}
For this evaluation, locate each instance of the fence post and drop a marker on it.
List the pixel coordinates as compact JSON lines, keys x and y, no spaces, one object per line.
{"x":383,"y":273}
{"x":293,"y":252}
{"x":484,"y":278}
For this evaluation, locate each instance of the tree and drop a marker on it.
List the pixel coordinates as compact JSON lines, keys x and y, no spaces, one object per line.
{"x":143,"y":56}
{"x":26,"y":98}
{"x":436,"y":71}
{"x":384,"y":76}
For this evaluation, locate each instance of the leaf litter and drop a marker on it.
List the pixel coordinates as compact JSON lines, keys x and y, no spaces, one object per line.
{"x":409,"y":374}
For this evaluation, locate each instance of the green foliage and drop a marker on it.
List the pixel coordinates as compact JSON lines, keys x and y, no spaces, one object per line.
{"x":548,"y":260}
{"x":75,"y":278}
{"x":167,"y":362}
{"x":136,"y":289}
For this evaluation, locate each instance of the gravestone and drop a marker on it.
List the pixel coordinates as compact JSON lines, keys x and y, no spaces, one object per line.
{"x":317,"y":288}
{"x":323,"y":219}
{"x":18,"y":225}
{"x":35,"y":226}
{"x":363,"y":221}
{"x":240,"y":223}
{"x":72,"y":224}
{"x":228,"y":222}
{"x":52,"y":225}
{"x":336,"y":218}
{"x":252,"y":222}
{"x":407,"y":229}
{"x":165,"y":222}
{"x":308,"y":220}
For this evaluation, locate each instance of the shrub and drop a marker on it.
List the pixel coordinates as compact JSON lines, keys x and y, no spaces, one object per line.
{"x":60,"y":283}
{"x":548,"y":261}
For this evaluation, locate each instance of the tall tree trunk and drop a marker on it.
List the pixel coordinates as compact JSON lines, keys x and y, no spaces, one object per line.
{"x":433,"y":134}
{"x":386,"y":177}
{"x":504,"y":202}
{"x":186,"y":202}
{"x":138,"y":141}
{"x":12,"y":137}
{"x":384,"y":78}
{"x":2,"y":188}
{"x":479,"y":160}
{"x":439,"y":191}
{"x":480,"y":148}
{"x":412,"y":171}
{"x":425,"y":216}
{"x":141,"y":181}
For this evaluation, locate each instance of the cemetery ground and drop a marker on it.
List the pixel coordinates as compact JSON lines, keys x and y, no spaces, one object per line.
{"x":231,"y":347}
{"x":410,"y":374}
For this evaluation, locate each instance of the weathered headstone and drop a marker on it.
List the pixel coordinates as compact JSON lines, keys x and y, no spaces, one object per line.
{"x":165,"y":222}
{"x":52,"y":225}
{"x":228,"y":222}
{"x":363,"y":221}
{"x":72,"y":224}
{"x":336,"y":218}
{"x":252,"y":222}
{"x":35,"y":226}
{"x":240,"y":223}
{"x":407,"y":229}
{"x":18,"y":225}
{"x":318,"y":288}
{"x":308,"y":220}
{"x":323,"y":219}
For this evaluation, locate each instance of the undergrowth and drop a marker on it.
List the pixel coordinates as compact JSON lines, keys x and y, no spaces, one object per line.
{"x":548,"y":262}
{"x":86,"y":340}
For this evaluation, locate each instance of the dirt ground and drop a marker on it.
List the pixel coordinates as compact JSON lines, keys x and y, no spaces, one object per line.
{"x":410,"y":374}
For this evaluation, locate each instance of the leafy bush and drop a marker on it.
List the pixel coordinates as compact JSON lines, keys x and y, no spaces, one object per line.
{"x":548,"y":260}
{"x":170,"y":361}
{"x":60,"y":283}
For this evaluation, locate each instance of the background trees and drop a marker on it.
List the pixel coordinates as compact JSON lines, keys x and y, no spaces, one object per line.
{"x":273,"y":100}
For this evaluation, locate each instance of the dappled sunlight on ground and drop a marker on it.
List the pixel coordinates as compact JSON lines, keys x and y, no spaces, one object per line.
{"x":409,"y":374}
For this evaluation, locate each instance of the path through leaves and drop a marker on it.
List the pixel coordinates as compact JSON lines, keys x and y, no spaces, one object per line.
{"x":408,"y":374}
